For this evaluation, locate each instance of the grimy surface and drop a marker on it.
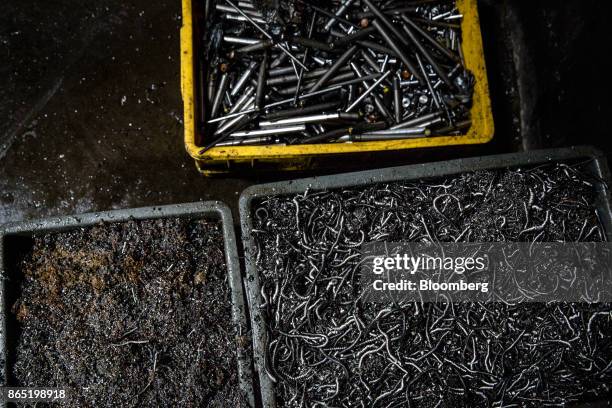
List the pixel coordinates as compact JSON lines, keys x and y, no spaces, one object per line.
{"x":327,"y":344}
{"x":90,"y":109}
{"x":65,"y":66}
{"x":128,"y":314}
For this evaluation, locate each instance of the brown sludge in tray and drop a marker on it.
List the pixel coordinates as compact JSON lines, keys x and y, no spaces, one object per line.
{"x":129,"y":314}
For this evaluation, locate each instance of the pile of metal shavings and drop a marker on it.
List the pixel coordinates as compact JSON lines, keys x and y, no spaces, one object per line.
{"x":129,"y":314}
{"x":326,"y":347}
{"x":308,"y":71}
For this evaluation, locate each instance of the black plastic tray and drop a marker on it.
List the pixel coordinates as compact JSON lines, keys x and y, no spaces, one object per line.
{"x":597,"y":166}
{"x":213,"y":210}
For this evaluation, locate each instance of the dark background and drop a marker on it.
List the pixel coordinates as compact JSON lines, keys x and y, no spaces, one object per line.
{"x":91,"y":113}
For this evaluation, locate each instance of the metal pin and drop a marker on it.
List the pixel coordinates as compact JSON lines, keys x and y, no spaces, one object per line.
{"x":242,"y":80}
{"x":340,"y":62}
{"x":308,"y":42}
{"x":234,"y":17}
{"x":284,"y":79}
{"x":264,"y":32}
{"x":327,"y":13}
{"x":322,"y":107}
{"x":397,"y":100}
{"x":271,"y":131}
{"x":279,"y":60}
{"x":379,"y":103}
{"x":311,"y":119}
{"x":465,"y":124}
{"x":427,"y":82}
{"x":417,"y":121}
{"x":279,"y":71}
{"x":343,"y":7}
{"x":236,"y":124}
{"x":258,"y":46}
{"x":399,"y":132}
{"x":399,"y":53}
{"x":239,"y":104}
{"x":383,"y":66}
{"x":371,"y":62}
{"x":449,"y":54}
{"x":377,"y":47}
{"x":357,"y":35}
{"x":231,"y":122}
{"x":242,"y":142}
{"x":223,"y":83}
{"x":210,"y":89}
{"x":428,"y":57}
{"x":261,"y":81}
{"x":233,"y":115}
{"x":368,"y":89}
{"x":240,"y":40}
{"x":226,"y":9}
{"x":340,"y":78}
{"x":320,"y":61}
{"x":301,"y":73}
{"x":305,"y":96}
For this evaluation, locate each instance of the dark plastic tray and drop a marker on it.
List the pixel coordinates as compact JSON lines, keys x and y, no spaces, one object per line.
{"x":598,"y":167}
{"x":212,"y":210}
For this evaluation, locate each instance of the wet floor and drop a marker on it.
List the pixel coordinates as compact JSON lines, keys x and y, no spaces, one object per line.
{"x":91,"y":94}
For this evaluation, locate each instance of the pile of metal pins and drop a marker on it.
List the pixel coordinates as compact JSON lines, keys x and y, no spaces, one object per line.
{"x":308,"y":71}
{"x":328,"y":348}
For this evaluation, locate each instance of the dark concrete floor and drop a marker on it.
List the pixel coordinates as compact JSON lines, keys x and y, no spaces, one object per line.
{"x":91,"y":110}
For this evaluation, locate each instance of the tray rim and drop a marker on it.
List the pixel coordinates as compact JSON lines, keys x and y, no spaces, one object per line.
{"x":212,"y":210}
{"x":392,"y":174}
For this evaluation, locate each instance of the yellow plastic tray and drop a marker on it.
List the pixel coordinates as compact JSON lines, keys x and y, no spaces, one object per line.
{"x":299,"y":157}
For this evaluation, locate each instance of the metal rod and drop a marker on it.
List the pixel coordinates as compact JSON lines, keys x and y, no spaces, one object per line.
{"x":368,"y":89}
{"x":240,"y":40}
{"x":427,"y":81}
{"x":226,"y":9}
{"x":223,"y":82}
{"x":321,"y":107}
{"x":225,"y":126}
{"x":327,"y":13}
{"x":311,"y":119}
{"x":264,"y":32}
{"x":377,"y":101}
{"x":340,"y":62}
{"x":242,"y":80}
{"x":240,"y":142}
{"x":448,"y":53}
{"x":270,"y":131}
{"x":397,"y":100}
{"x":234,"y":17}
{"x":261,"y":82}
{"x":348,"y":39}
{"x":259,"y":46}
{"x":383,"y":32}
{"x":343,"y":7}
{"x":428,"y":57}
{"x":370,"y":137}
{"x":238,"y":105}
{"x":416,"y":121}
{"x":405,"y":132}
